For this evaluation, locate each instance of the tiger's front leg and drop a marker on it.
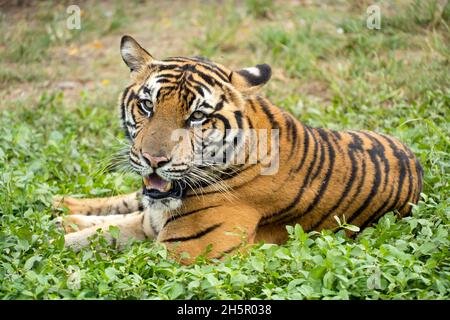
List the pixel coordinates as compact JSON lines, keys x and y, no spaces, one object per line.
{"x":214,"y":231}
{"x":221,"y":230}
{"x":133,"y":226}
{"x":85,"y":213}
{"x":77,"y":222}
{"x":122,"y":204}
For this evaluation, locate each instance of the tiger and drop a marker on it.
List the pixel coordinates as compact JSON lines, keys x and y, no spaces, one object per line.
{"x":212,"y":209}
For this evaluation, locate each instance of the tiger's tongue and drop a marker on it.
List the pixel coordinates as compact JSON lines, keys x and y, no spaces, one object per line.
{"x":154,"y":181}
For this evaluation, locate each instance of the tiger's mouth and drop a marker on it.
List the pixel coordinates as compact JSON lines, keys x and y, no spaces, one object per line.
{"x":156,"y":187}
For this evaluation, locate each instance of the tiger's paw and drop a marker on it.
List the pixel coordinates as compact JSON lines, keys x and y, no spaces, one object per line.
{"x":74,"y":223}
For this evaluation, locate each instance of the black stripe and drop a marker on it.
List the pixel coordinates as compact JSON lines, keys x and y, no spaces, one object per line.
{"x":198,"y":90}
{"x":191,"y":79}
{"x":133,"y":151}
{"x":125,"y":93}
{"x":123,"y":111}
{"x":322,"y":154}
{"x":419,"y":172}
{"x":382,"y":208}
{"x":280,"y":213}
{"x":356,"y":146}
{"x":401,"y":178}
{"x":324,"y":185}
{"x":194,"y":84}
{"x":338,"y":143}
{"x":378,"y":213}
{"x":291,"y":132}
{"x":252,"y":105}
{"x":217,"y":71}
{"x":194,"y":236}
{"x":336,"y":134}
{"x":134,"y":161}
{"x":131,"y":97}
{"x":225,"y":252}
{"x":348,"y":187}
{"x":406,"y":163}
{"x":269,"y":114}
{"x":204,"y":63}
{"x":176,"y":217}
{"x":231,"y":249}
{"x":382,"y":155}
{"x":357,"y":143}
{"x":331,"y":159}
{"x":163,"y":67}
{"x":210,"y":66}
{"x":229,"y":176}
{"x":232,"y":147}
{"x":165,"y":80}
{"x":288,"y":125}
{"x":225,"y":121}
{"x":238,"y":116}
{"x":203,"y":104}
{"x":315,"y":152}
{"x":250,"y":123}
{"x":165,"y":91}
{"x":208,"y":79}
{"x":373,"y":152}
{"x":306,"y":133}
{"x":174,"y":76}
{"x":219,"y":105}
{"x":294,"y":137}
{"x":176,"y":59}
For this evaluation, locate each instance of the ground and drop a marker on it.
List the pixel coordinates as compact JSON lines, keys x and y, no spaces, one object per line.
{"x":59,"y":134}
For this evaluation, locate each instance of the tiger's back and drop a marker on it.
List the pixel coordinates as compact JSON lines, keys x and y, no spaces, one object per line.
{"x":354,"y":175}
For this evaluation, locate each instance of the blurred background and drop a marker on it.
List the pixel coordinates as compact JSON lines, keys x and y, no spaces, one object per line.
{"x":320,"y":50}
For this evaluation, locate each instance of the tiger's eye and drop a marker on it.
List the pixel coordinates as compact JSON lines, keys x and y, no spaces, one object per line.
{"x":147,"y":107}
{"x":198,"y":115}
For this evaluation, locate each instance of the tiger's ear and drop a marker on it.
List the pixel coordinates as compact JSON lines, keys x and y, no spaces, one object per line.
{"x":133,"y":54}
{"x":249,"y":80}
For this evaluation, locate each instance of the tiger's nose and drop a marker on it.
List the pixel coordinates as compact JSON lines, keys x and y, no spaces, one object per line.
{"x":155,"y":162}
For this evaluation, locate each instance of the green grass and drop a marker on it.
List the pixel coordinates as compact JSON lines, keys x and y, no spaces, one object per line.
{"x":30,"y":39}
{"x":215,"y":37}
{"x":394,"y":81}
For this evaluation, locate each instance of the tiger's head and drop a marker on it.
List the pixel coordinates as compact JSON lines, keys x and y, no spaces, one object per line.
{"x":177,"y":115}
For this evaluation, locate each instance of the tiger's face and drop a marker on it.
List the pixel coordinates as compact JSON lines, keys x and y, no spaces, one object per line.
{"x":183,"y":118}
